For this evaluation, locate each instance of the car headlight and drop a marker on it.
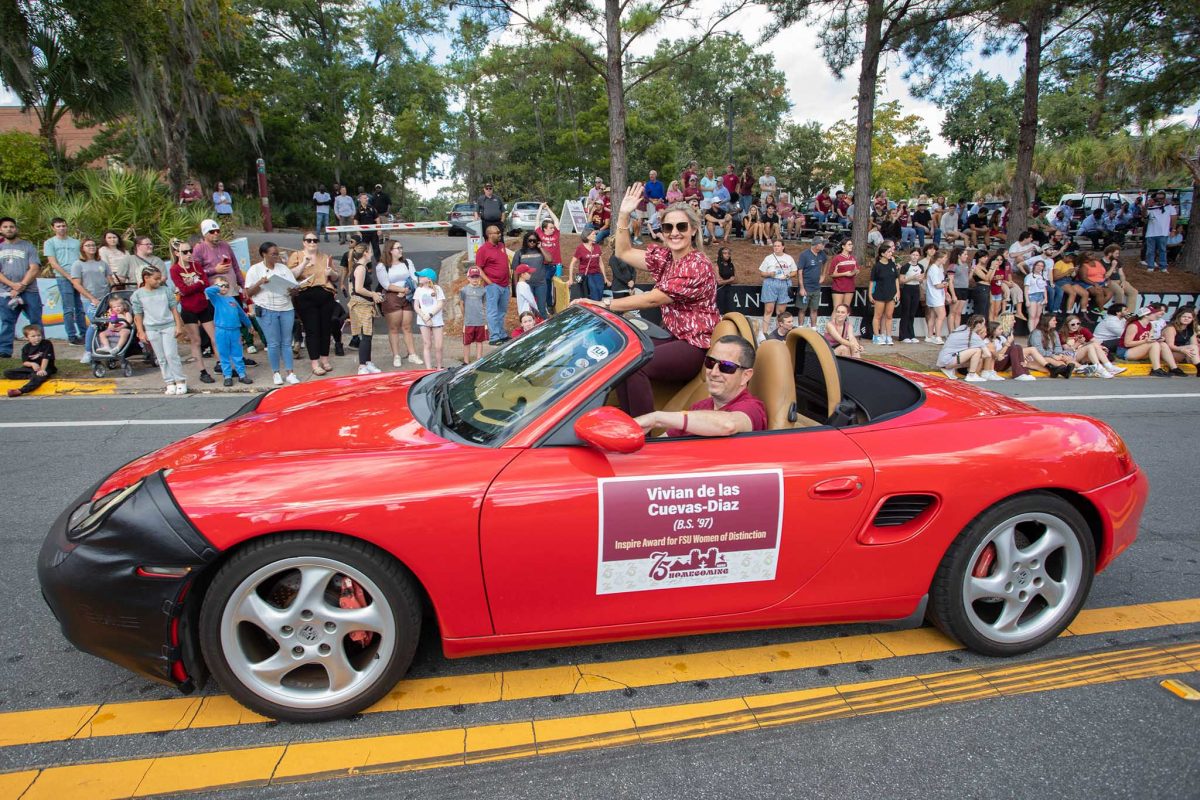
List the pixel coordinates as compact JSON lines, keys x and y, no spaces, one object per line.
{"x":87,"y":518}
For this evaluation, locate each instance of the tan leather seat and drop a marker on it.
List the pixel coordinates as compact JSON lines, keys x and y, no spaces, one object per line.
{"x":774,"y":383}
{"x":695,"y":390}
{"x":816,"y":380}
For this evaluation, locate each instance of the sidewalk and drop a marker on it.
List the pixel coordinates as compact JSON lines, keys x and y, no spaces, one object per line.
{"x":78,"y":379}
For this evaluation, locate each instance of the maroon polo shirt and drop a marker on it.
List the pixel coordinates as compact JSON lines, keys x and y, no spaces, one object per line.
{"x":745,"y":402}
{"x":493,"y":260}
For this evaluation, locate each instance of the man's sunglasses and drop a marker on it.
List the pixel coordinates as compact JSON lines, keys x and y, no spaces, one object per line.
{"x":312,"y":241}
{"x":727,"y":367}
{"x":681,"y":227}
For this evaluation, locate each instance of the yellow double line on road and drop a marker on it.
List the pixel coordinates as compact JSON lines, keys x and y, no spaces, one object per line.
{"x":310,"y":761}
{"x":157,"y":716}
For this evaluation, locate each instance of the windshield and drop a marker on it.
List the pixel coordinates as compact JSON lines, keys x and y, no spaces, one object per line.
{"x":489,"y":400}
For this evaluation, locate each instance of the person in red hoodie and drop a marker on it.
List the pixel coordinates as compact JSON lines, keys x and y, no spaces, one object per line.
{"x":190,"y":281}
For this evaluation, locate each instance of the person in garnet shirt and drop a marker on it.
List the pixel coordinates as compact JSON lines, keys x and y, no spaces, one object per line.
{"x":685,"y":288}
{"x":729,"y":407}
{"x":492,"y":260}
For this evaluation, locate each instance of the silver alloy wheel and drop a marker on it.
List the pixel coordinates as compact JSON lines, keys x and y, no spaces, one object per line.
{"x":1032,"y":583}
{"x":311,"y":667}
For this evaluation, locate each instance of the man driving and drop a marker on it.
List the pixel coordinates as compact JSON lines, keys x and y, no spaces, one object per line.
{"x":729,"y":408}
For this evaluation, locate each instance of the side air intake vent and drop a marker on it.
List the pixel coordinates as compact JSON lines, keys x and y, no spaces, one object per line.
{"x":901,"y":509}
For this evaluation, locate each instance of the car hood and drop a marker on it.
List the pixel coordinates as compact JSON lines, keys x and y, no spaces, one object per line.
{"x":342,"y":414}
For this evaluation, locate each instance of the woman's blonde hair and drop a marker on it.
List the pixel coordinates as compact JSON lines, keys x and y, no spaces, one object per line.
{"x":693,"y":221}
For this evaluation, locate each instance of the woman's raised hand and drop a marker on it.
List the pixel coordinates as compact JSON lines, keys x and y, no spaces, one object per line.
{"x":633,"y":199}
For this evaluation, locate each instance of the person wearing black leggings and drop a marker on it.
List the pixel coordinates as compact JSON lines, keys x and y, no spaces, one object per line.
{"x":316,"y":301}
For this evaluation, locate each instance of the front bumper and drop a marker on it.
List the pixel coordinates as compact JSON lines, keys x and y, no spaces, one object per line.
{"x":105,"y":601}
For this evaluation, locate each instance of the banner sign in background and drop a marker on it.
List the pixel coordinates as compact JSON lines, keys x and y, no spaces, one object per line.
{"x":698,"y":529}
{"x":572,"y":219}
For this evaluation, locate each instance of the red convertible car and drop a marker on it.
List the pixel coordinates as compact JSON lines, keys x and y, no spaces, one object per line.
{"x":294,"y":550}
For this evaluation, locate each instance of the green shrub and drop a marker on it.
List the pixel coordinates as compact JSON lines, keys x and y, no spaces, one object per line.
{"x":25,"y":161}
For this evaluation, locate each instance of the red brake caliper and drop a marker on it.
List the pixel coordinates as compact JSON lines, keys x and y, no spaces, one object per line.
{"x":353,"y":596}
{"x":983,"y":566}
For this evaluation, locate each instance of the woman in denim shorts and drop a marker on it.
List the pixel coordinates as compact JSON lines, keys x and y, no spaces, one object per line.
{"x":778,"y":270}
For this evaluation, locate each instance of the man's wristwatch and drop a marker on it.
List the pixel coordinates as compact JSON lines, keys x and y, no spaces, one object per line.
{"x":606,"y":302}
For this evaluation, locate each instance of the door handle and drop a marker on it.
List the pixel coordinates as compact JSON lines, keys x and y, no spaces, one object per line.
{"x":837,"y":488}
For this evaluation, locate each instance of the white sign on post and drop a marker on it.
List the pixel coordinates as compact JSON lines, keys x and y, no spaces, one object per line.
{"x":572,"y":219}
{"x":473,"y":243}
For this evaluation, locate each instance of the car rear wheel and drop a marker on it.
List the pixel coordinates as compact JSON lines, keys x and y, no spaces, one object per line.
{"x":309,"y":627}
{"x":1015,"y":577}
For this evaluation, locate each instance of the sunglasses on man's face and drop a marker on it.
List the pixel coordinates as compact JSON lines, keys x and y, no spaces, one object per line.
{"x":311,"y":241}
{"x":672,"y":227}
{"x":727,"y":367}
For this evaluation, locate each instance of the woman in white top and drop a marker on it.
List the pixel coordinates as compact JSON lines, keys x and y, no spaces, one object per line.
{"x":271,"y":303}
{"x":113,"y":253}
{"x":1035,"y":290}
{"x":935,"y":298}
{"x":778,"y":270}
{"x":397,"y":282}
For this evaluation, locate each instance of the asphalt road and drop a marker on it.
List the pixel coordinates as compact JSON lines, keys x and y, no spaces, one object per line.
{"x":1126,"y":738}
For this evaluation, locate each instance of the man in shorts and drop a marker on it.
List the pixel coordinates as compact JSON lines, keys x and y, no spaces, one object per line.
{"x":471,"y":299}
{"x":810,"y":265}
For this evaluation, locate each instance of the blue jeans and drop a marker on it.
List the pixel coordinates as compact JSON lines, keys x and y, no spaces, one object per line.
{"x":277,"y":330}
{"x":8,"y":318}
{"x":1156,"y":252}
{"x":1057,"y":293}
{"x":229,"y":346}
{"x":819,"y":216}
{"x":594,"y":286}
{"x":496,"y":304}
{"x":550,"y":298}
{"x":921,"y":237}
{"x":90,"y":334}
{"x":602,"y":235}
{"x":745,"y":201}
{"x":540,"y":292}
{"x":937,"y":237}
{"x":908,"y":236}
{"x":322,"y":221}
{"x":72,"y":308}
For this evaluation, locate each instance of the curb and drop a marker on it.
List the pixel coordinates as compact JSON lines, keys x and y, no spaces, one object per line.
{"x":56,"y":386}
{"x":1132,"y":370}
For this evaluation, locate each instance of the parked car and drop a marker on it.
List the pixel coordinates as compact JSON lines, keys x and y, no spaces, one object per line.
{"x":523,"y":216}
{"x":533,"y":514}
{"x":1087,"y":202}
{"x":460,"y":216}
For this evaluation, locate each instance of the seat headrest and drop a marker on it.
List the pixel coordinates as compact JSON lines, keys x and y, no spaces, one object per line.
{"x":774,"y":383}
{"x":815,"y":365}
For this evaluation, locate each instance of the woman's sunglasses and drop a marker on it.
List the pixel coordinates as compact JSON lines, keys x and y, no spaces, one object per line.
{"x":311,"y":241}
{"x":186,"y":252}
{"x":672,"y":227}
{"x":727,"y":367}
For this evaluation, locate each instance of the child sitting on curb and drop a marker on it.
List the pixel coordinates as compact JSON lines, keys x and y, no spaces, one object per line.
{"x":229,"y":318}
{"x":37,"y":361}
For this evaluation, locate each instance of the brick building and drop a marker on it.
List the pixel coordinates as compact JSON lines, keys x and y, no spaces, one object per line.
{"x":13,"y":118}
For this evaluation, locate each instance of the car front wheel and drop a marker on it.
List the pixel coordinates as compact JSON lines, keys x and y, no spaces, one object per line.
{"x":1015,"y":577}
{"x":309,"y":627}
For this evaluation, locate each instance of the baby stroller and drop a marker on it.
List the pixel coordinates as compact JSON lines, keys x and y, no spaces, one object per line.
{"x":105,"y":357}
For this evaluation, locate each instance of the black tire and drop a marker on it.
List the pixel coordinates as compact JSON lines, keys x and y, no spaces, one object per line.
{"x":98,"y":370}
{"x":1074,"y":561}
{"x":396,"y":589}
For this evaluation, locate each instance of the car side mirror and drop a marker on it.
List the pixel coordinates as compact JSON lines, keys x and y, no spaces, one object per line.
{"x":610,"y":429}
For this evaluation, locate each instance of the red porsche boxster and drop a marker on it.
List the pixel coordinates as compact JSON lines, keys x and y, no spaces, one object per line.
{"x":293,"y":550}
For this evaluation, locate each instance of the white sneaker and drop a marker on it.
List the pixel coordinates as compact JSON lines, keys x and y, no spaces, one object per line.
{"x":397,"y":361}
{"x":373,"y":369}
{"x":973,"y":378}
{"x":291,"y":379}
{"x":87,"y":358}
{"x":888,"y":341}
{"x":181,"y":388}
{"x":1103,"y":373}
{"x":277,"y":379}
{"x":170,"y":390}
{"x":949,"y":373}
{"x":992,"y":375}
{"x":251,"y":349}
{"x":363,"y":369}
{"x":415,"y":359}
{"x":1025,"y":377}
{"x":1117,"y":370}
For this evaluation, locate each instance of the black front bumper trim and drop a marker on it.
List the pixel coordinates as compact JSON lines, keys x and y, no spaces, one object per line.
{"x":104,"y":607}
